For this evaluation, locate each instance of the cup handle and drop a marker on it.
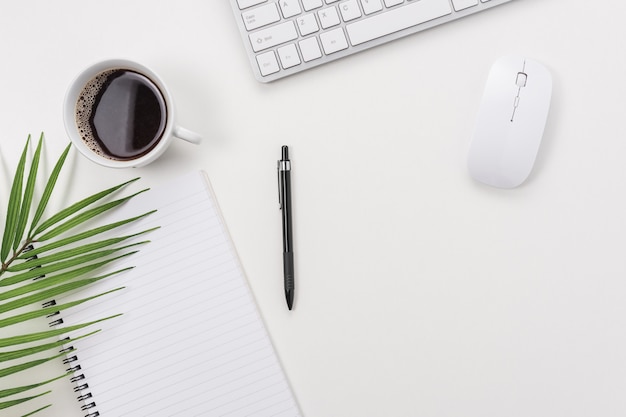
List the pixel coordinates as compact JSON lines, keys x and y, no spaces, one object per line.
{"x":187,"y":135}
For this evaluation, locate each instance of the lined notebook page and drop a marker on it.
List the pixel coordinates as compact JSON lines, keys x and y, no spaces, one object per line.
{"x":191,"y":341}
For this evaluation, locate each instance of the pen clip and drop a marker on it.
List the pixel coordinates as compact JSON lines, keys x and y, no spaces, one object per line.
{"x":280,"y":200}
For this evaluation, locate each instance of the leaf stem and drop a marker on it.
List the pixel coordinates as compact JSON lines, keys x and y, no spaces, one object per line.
{"x":16,"y":254}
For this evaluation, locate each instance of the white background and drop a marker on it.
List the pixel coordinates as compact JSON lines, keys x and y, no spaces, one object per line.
{"x":419,"y":291}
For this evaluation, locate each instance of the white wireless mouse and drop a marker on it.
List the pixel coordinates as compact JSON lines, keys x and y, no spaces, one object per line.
{"x":510,"y":122}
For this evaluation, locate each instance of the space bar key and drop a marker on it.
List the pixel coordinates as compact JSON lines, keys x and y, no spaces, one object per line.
{"x":413,"y":14}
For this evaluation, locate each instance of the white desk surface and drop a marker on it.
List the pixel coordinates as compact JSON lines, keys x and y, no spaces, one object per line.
{"x":419,"y":291}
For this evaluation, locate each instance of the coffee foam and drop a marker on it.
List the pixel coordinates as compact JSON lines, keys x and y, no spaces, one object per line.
{"x":84,"y":108}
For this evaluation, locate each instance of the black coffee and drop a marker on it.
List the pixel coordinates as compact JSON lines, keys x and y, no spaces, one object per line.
{"x":121,"y":114}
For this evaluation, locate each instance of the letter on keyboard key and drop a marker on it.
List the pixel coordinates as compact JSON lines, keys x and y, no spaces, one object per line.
{"x":328,"y":17}
{"x":261,"y":16}
{"x":288,"y":56}
{"x":307,"y":24}
{"x":267,"y":63}
{"x":333,"y":41}
{"x":290,"y":8}
{"x":349,"y":10}
{"x":272,"y":36}
{"x":371,"y":6}
{"x":396,"y":19}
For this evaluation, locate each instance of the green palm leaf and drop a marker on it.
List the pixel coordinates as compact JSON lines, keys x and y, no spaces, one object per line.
{"x":19,"y":318}
{"x":22,"y":353}
{"x":80,"y":236}
{"x":15,"y":199}
{"x":43,"y":202}
{"x":76,"y":207}
{"x":47,"y":294}
{"x":53,"y":280}
{"x":27,"y":365}
{"x":8,"y":404}
{"x":28,"y":197}
{"x":34,"y":337}
{"x":69,"y":253}
{"x":59,"y":266}
{"x":19,"y":390}
{"x":37,"y":410}
{"x":83,"y":217}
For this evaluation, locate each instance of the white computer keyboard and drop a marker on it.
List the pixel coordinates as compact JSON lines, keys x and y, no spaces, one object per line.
{"x":283,"y":37}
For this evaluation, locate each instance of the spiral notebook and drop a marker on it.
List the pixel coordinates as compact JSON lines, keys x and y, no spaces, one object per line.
{"x":190,"y":341}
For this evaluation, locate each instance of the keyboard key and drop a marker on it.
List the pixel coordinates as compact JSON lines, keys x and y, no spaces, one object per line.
{"x":396,"y":19}
{"x":371,"y":6}
{"x":267,"y":63}
{"x":463,"y":4}
{"x":244,"y":4}
{"x":310,"y":49}
{"x":261,"y":16}
{"x":349,"y":10}
{"x":290,"y":8}
{"x":307,"y":24}
{"x":328,"y":17}
{"x":272,"y":36}
{"x":288,"y":56}
{"x":311,"y":4}
{"x":333,"y":41}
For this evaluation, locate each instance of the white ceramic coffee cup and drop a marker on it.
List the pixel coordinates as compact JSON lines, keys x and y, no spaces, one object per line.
{"x":171,"y":131}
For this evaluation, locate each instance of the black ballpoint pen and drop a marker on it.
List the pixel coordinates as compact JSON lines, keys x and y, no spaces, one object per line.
{"x":284,"y":199}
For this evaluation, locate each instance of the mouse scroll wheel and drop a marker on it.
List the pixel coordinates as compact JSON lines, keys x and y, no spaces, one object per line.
{"x":521,"y":79}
